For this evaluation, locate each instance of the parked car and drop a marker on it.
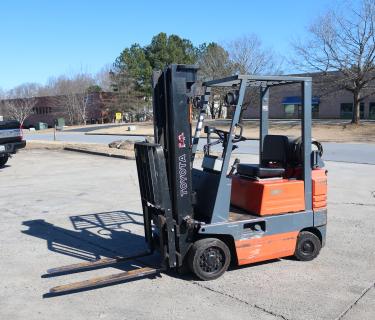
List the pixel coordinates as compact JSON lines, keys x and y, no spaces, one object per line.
{"x":11,"y":140}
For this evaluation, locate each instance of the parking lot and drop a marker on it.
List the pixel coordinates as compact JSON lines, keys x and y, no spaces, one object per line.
{"x":60,"y":207}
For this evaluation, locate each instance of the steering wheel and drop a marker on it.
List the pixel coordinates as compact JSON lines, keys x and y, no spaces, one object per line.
{"x":237,"y":137}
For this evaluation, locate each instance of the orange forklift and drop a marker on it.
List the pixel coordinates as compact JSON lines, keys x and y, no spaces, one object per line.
{"x":257,"y":212}
{"x":204,"y":219}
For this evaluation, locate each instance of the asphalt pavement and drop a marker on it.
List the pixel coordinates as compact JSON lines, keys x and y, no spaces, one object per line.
{"x":60,"y":207}
{"x":346,"y":152}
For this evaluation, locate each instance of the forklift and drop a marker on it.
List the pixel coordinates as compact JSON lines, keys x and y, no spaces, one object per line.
{"x":205,"y":219}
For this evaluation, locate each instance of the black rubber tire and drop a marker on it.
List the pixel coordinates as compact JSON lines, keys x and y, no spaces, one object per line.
{"x":3,"y":160}
{"x":308,"y":246}
{"x":209,"y":258}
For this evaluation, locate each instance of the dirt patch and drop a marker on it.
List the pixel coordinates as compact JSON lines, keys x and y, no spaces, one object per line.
{"x":336,"y":132}
{"x":93,"y":148}
{"x":46,"y":145}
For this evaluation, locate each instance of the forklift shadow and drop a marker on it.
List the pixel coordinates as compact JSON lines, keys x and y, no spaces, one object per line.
{"x":103,"y":235}
{"x":94,"y":236}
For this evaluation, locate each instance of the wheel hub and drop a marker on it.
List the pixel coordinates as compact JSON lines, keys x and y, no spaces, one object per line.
{"x":308,"y":247}
{"x":211,"y":260}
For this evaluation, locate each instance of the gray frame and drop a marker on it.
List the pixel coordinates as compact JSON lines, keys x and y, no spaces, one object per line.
{"x":263,"y":118}
{"x":222,"y":203}
{"x":264,"y":82}
{"x":255,"y":81}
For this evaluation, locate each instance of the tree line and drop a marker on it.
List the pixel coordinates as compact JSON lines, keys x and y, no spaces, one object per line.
{"x":132,"y":70}
{"x":72,"y":91}
{"x":340,"y":45}
{"x":129,"y":77}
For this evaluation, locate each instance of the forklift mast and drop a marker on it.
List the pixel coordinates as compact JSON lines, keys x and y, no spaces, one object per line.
{"x":164,"y":168}
{"x":172,"y":130}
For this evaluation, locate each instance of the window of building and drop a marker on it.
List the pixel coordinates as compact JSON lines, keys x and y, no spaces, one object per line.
{"x":372,"y":111}
{"x":293,"y":108}
{"x":290,"y":110}
{"x":314,"y":110}
{"x":346,"y":110}
{"x":42,"y":110}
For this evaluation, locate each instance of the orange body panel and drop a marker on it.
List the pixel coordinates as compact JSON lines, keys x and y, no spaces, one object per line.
{"x":266,"y":248}
{"x":319,"y":188}
{"x":267,"y":197}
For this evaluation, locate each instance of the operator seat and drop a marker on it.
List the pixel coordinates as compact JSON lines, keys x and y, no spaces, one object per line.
{"x":274,"y":159}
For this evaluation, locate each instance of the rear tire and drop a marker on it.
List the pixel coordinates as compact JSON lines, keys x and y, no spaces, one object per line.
{"x":209,"y":258}
{"x":3,"y":160}
{"x":308,"y":246}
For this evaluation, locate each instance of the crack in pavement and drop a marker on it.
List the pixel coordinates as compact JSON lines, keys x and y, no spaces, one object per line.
{"x":355,"y":203}
{"x":364,"y":292}
{"x":352,"y":162}
{"x":242,"y":301}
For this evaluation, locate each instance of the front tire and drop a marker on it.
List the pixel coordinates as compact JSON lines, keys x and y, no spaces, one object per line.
{"x":209,"y":258}
{"x":3,"y":160}
{"x":308,"y":246}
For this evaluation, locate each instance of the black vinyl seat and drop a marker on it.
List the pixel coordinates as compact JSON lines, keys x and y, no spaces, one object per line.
{"x":253,"y":170}
{"x":274,"y":159}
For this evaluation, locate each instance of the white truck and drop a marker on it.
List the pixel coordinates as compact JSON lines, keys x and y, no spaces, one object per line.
{"x":11,"y":140}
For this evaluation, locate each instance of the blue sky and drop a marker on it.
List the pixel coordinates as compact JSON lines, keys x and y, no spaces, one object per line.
{"x":40,"y":38}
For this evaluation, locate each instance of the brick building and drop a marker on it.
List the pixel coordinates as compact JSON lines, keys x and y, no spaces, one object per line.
{"x":49,"y":108}
{"x":285,"y":102}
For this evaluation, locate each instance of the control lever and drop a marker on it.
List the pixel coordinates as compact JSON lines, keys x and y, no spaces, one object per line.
{"x":239,"y":137}
{"x":209,"y":130}
{"x":234,"y":166}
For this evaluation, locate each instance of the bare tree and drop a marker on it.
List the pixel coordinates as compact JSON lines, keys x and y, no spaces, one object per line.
{"x":343,"y":42}
{"x":73,"y":91}
{"x":81,"y":104}
{"x":76,"y":107}
{"x":103,"y":78}
{"x":249,"y":56}
{"x":20,"y":101}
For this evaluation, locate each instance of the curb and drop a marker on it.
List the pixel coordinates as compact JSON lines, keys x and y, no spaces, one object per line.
{"x":117,"y":134}
{"x":97,"y":153}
